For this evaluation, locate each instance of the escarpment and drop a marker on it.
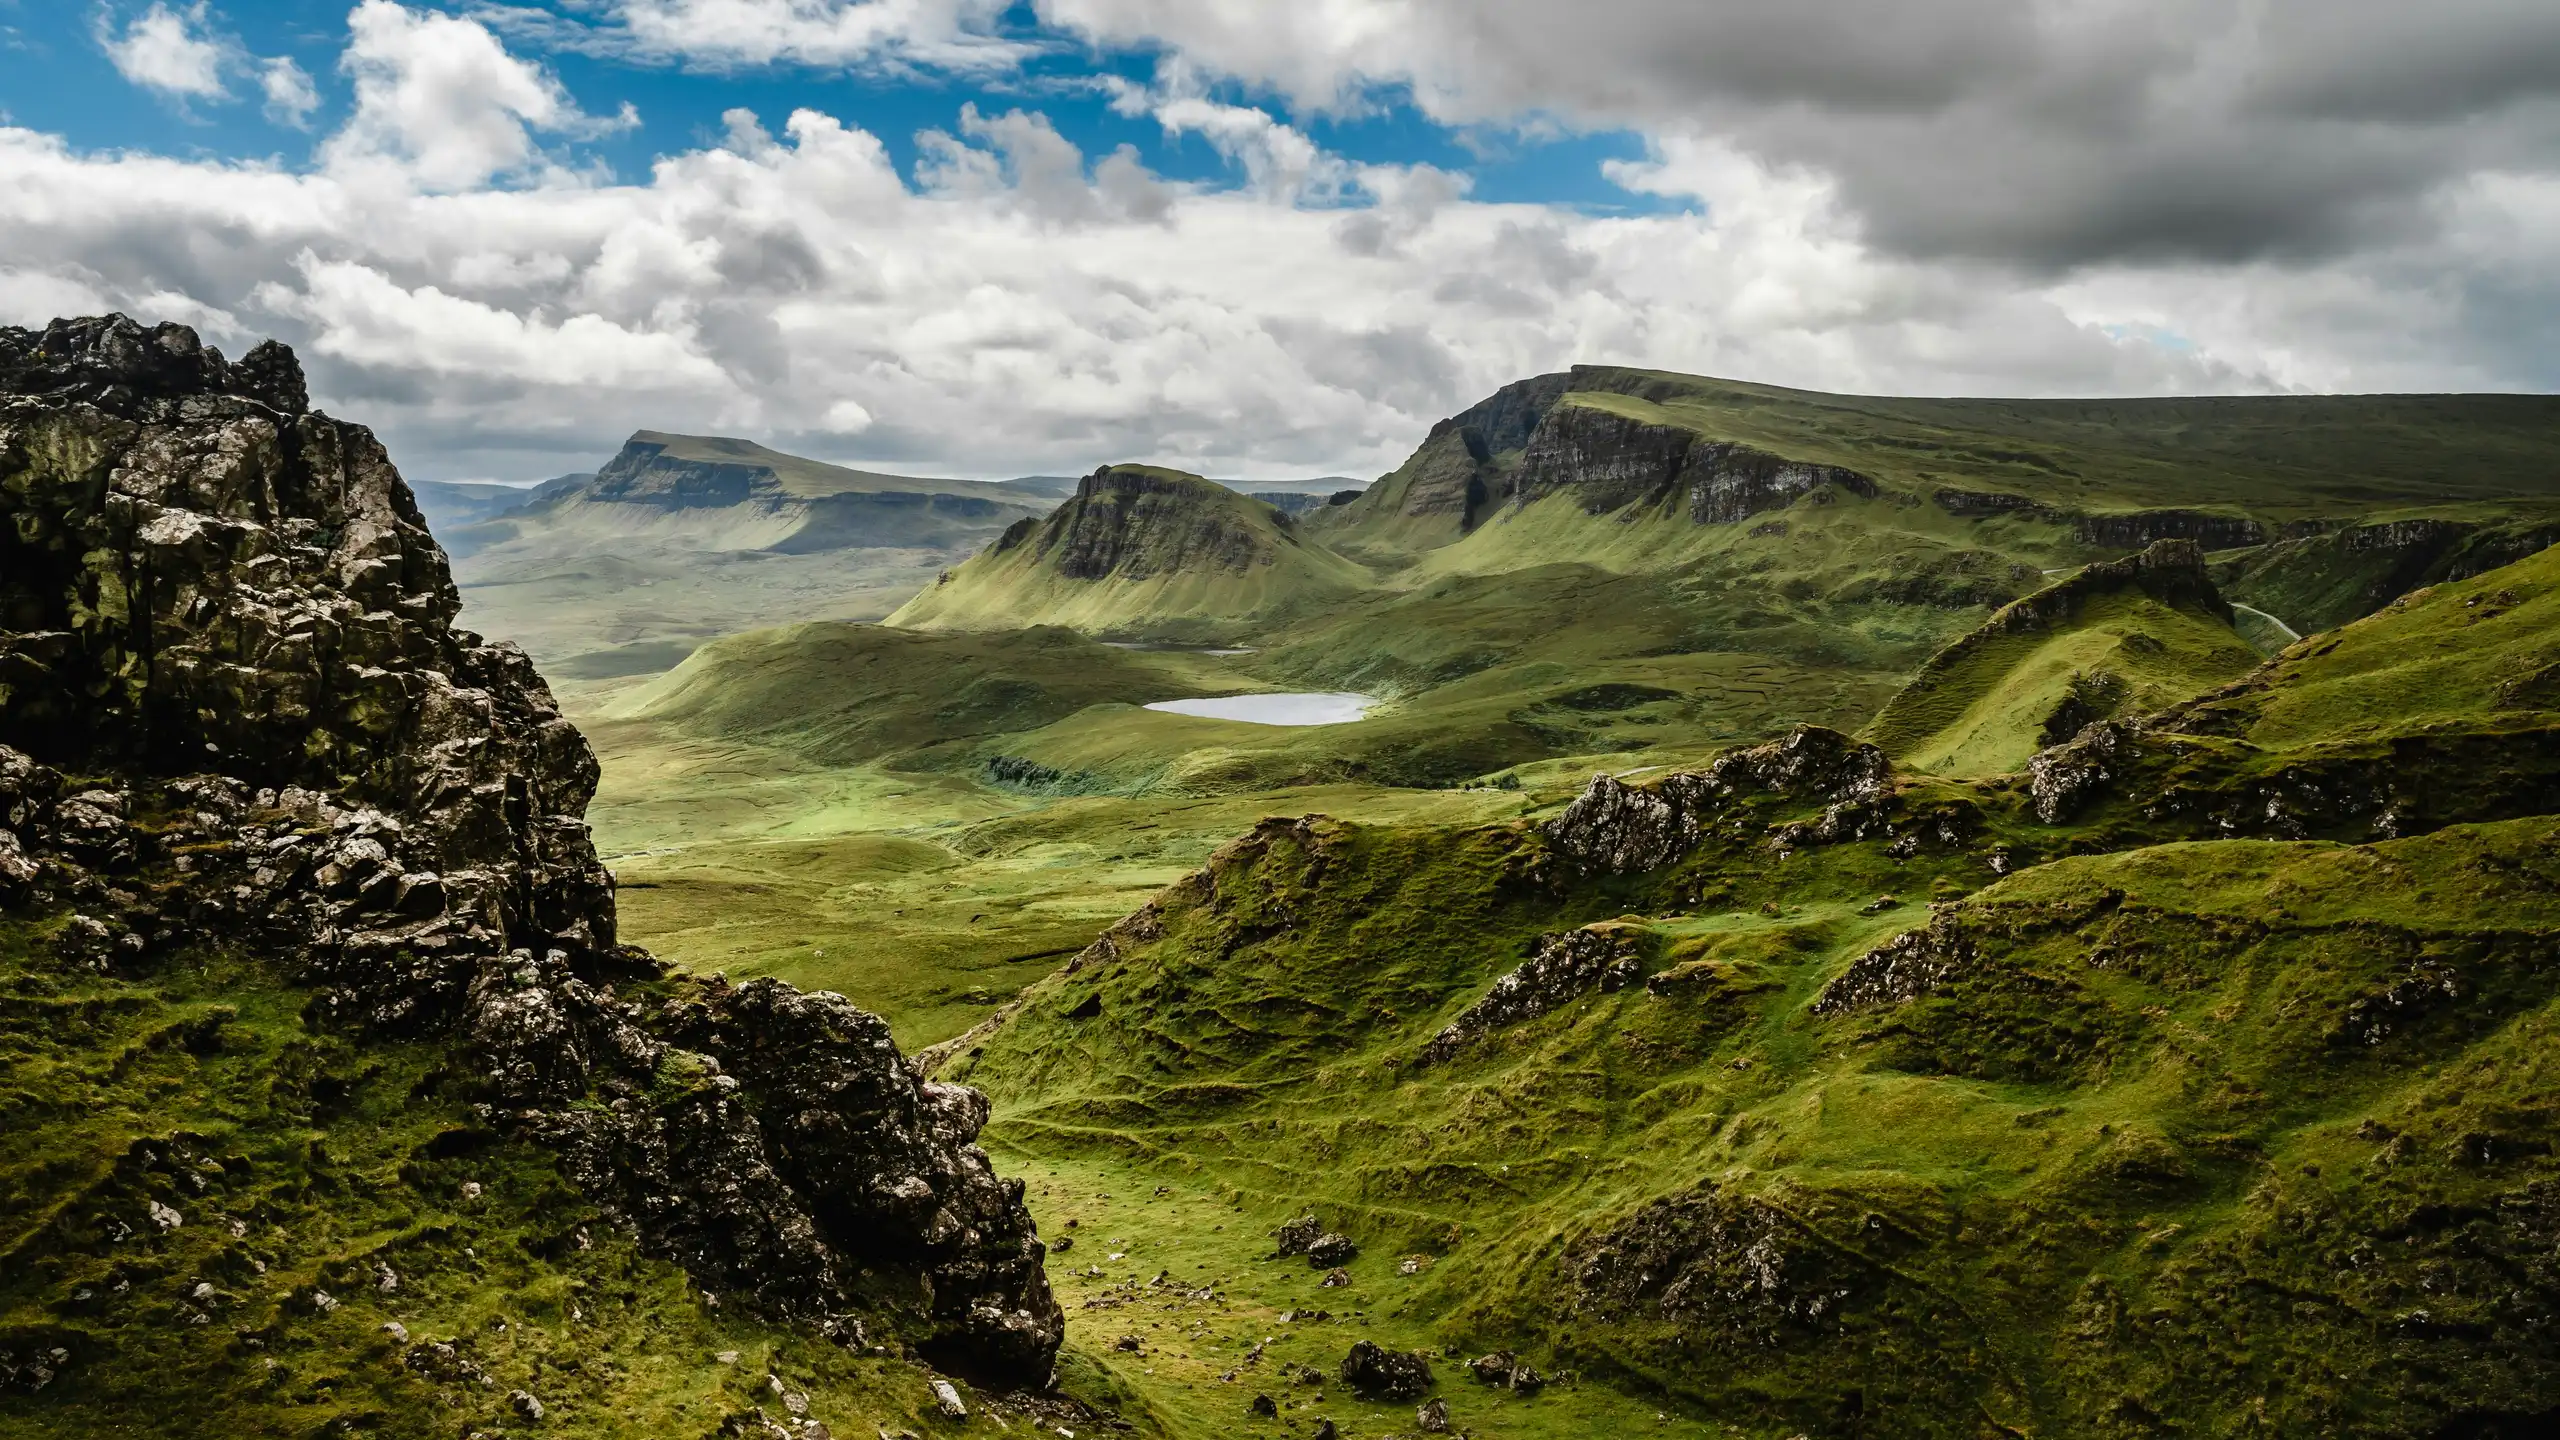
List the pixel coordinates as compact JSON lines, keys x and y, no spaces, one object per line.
{"x":236,"y":713}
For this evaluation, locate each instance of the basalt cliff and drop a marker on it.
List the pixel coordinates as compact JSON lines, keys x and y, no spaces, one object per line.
{"x":239,"y":728}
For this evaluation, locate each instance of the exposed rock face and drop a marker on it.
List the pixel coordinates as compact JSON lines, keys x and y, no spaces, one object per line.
{"x":1623,"y":829}
{"x":2115,"y":530}
{"x":2064,"y":778}
{"x":1563,"y":968}
{"x":1610,"y":461}
{"x":229,"y":603}
{"x":1902,"y":969}
{"x":2138,"y":529}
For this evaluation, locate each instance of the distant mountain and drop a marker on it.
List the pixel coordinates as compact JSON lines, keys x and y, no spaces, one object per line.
{"x":1139,"y":549}
{"x":450,"y":505}
{"x":680,"y":538}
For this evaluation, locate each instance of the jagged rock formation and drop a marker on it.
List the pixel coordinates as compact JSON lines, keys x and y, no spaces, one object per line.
{"x":222,"y":610}
{"x":1622,"y":828}
{"x":1375,"y":1371}
{"x":2113,"y":529}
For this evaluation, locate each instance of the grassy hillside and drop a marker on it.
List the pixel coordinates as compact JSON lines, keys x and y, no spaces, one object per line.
{"x":1143,"y":552}
{"x":2029,"y":1148}
{"x":2134,"y":636}
{"x":2278,"y":456}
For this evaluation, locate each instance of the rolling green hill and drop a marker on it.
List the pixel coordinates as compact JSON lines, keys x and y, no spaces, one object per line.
{"x":2136,"y":635}
{"x":1141,"y":551}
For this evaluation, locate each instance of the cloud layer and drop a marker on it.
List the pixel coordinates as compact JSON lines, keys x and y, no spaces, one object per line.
{"x":2018,"y":196}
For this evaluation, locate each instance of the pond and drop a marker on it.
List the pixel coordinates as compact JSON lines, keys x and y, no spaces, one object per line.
{"x":1330,"y":708}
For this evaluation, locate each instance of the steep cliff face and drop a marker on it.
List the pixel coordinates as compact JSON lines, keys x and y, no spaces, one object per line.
{"x":235,"y":711}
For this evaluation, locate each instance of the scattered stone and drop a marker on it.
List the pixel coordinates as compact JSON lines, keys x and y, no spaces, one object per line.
{"x":523,"y":1403}
{"x":947,"y":1400}
{"x":1334,"y":1280}
{"x":1264,"y":1408}
{"x":1432,"y":1417}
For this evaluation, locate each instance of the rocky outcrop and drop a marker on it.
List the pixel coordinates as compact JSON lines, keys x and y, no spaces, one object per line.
{"x":2110,"y":530}
{"x":1610,"y":461}
{"x":1560,"y":969}
{"x":2139,"y":529}
{"x":1622,"y":829}
{"x":1716,"y":1263}
{"x":1904,"y":968}
{"x":224,"y":610}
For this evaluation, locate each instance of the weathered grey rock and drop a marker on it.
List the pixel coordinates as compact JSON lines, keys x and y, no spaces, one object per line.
{"x":1901,"y":970}
{"x":1713,"y":1261}
{"x":2064,"y":779}
{"x":1432,"y":1417}
{"x":1330,"y":1250}
{"x":1623,"y":829}
{"x":1562,"y":968}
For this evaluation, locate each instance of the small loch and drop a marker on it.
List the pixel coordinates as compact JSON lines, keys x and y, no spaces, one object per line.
{"x":1326,"y":708}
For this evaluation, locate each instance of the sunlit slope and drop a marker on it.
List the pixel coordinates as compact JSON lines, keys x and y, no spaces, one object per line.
{"x":2129,"y":636}
{"x":1143,"y":552}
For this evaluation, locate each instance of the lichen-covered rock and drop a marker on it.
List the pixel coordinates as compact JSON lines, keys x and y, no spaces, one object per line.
{"x":228,"y":603}
{"x":1563,"y":968}
{"x":1378,"y":1373}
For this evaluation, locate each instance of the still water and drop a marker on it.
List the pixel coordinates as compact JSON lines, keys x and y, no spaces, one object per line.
{"x":1332,"y":708}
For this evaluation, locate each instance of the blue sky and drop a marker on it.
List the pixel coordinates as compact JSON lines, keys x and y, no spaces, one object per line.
{"x":56,"y":76}
{"x":991,"y":237}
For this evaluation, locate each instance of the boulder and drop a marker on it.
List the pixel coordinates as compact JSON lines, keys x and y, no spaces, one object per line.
{"x":1375,"y":1372}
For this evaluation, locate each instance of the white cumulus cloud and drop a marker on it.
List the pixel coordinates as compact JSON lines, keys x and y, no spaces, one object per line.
{"x":170,"y":50}
{"x":1016,"y":305}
